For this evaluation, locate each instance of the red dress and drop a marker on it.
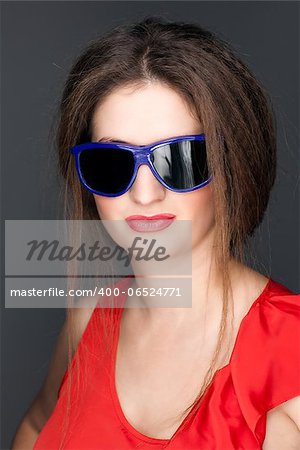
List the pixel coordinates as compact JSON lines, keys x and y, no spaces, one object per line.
{"x":263,"y":371}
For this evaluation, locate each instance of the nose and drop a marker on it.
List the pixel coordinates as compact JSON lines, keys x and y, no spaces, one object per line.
{"x":146,"y":188}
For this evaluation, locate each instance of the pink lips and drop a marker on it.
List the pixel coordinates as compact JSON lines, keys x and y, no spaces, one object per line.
{"x":151,"y":223}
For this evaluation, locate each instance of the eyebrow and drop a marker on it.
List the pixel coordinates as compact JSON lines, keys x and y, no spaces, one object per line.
{"x":108,"y":139}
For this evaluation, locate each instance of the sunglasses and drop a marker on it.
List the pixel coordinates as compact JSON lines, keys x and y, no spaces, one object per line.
{"x":109,"y":169}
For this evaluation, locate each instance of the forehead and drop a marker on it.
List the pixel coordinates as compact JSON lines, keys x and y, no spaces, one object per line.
{"x":144,"y":114}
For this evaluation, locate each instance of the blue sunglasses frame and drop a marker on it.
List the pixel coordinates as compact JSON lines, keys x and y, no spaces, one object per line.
{"x":141,"y":154}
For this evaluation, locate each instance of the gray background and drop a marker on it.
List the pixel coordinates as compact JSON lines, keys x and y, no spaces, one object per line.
{"x":39,"y":42}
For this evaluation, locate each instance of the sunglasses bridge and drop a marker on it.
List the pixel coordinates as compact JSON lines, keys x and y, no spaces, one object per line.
{"x":141,"y":157}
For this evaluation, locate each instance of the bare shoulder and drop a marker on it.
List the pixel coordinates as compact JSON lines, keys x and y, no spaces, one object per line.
{"x":283,"y":426}
{"x":247,"y":285}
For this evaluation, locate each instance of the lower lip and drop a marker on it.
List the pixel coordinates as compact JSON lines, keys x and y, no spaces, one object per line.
{"x":147,"y":225}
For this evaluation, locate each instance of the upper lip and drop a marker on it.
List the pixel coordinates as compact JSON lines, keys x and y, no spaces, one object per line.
{"x":157,"y":216}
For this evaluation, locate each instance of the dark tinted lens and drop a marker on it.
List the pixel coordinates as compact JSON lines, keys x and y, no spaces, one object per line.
{"x":106,"y":170}
{"x":182,"y":165}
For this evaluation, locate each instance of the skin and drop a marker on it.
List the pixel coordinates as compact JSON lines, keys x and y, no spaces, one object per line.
{"x":177,"y":343}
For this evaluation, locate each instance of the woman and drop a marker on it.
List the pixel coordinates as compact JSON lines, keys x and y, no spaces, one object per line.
{"x":173,"y":377}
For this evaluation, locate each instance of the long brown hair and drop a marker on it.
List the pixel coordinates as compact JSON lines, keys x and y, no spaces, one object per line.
{"x":221,"y":92}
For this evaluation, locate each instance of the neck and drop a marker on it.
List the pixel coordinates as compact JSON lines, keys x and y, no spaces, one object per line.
{"x":200,"y":289}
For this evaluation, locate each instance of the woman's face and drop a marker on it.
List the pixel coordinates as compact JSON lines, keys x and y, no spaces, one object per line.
{"x":140,"y":117}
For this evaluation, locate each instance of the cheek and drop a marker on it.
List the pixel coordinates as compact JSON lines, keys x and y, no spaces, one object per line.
{"x":199,"y":207}
{"x":111,"y":208}
{"x":105,"y":207}
{"x":199,"y":204}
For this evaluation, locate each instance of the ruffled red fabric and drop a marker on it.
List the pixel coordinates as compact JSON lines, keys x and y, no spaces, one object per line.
{"x":263,"y":372}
